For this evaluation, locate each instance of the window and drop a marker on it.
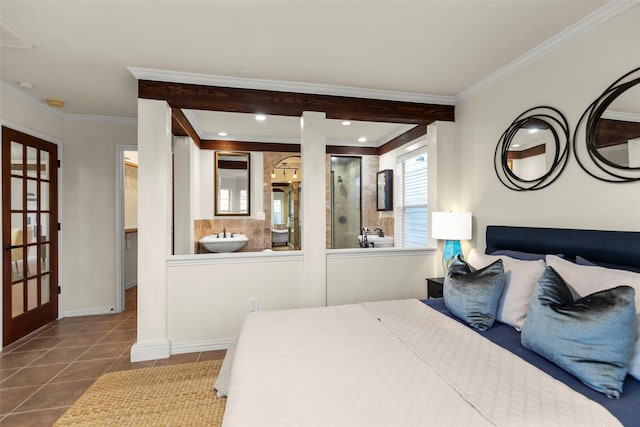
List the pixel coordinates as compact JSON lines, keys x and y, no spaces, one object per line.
{"x":411,"y":209}
{"x":224,"y":199}
{"x":277,"y":211}
{"x":243,"y":201}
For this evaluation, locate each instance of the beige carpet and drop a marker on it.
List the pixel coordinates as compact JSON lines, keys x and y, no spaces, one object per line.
{"x":176,"y":395}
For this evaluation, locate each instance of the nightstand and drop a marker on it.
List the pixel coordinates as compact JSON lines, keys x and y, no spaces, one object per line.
{"x":434,"y":287}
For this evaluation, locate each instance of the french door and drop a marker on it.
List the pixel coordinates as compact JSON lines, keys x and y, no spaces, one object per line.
{"x":29,"y":234}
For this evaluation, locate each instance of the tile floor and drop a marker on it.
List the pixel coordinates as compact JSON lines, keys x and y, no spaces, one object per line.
{"x":42,"y":374}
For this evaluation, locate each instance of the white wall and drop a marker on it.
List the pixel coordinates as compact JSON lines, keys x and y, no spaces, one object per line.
{"x":88,"y":237}
{"x":377,"y":274}
{"x":183,"y":195}
{"x":86,"y":197}
{"x":207,"y":181}
{"x":207,"y":300}
{"x":569,"y":78}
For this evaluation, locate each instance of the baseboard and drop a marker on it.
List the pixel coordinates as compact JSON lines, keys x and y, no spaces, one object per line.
{"x":150,"y":350}
{"x":198,"y":346}
{"x":89,"y":312}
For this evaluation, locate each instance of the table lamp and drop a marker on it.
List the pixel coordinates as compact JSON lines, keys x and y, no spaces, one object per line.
{"x":451,"y":227}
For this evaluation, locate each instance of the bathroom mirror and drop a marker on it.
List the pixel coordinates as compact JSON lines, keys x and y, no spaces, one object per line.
{"x":286,"y":188}
{"x":610,"y":130}
{"x":534,"y":149}
{"x":232,"y":178}
{"x":384,"y":190}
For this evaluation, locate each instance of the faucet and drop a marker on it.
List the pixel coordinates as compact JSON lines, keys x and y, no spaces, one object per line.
{"x":224,"y":232}
{"x":379,"y":230}
{"x":364,"y":242}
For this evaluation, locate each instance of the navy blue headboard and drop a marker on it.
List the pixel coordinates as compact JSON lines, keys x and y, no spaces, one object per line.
{"x":616,"y":249}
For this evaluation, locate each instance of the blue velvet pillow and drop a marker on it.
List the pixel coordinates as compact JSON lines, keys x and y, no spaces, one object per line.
{"x":473,"y":295}
{"x":591,"y":337}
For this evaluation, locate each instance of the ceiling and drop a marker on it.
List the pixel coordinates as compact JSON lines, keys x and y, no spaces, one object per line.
{"x":82,"y":51}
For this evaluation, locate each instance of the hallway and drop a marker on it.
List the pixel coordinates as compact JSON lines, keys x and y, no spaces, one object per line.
{"x":44,"y":373}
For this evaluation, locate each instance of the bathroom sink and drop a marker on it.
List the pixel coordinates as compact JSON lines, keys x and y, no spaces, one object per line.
{"x":217,"y":243}
{"x":378,"y":242}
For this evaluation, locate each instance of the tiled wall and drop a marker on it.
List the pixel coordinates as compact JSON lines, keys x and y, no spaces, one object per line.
{"x":259,"y":232}
{"x":250,"y":227}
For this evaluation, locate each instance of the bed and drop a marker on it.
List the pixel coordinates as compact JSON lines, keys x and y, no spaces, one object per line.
{"x":411,"y":362}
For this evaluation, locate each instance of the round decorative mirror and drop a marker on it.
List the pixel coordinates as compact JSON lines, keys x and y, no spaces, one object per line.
{"x":610,"y":129}
{"x":534,"y":150}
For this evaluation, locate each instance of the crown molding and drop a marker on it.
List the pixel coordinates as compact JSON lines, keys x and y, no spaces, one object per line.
{"x":286,"y":86}
{"x":16,"y":39}
{"x":584,"y":25}
{"x":59,"y":114}
{"x":101,"y":119}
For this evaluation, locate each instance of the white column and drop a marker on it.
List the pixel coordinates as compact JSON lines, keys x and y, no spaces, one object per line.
{"x":314,"y":216}
{"x":184,"y":194}
{"x":154,"y":228}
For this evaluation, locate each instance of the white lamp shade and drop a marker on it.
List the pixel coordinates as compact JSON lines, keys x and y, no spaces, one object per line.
{"x":451,"y":225}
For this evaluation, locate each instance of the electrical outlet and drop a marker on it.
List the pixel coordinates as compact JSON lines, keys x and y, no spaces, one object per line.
{"x":254,"y":304}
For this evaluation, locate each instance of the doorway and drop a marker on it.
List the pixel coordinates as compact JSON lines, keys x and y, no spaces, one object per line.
{"x":126,"y":222}
{"x":29,"y":234}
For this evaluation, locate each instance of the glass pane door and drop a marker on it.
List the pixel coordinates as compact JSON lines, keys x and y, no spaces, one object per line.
{"x":29,"y":181}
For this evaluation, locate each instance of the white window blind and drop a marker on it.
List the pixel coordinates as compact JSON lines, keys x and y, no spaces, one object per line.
{"x":411,"y":214}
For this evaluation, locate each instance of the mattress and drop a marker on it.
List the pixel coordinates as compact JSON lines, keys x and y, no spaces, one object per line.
{"x":397,"y":363}
{"x":624,"y":409}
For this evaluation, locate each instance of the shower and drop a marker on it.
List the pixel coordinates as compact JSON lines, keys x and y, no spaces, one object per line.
{"x":345,"y":201}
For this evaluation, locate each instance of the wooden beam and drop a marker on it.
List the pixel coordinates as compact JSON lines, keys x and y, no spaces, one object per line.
{"x":182,"y":126}
{"x":400,"y":140}
{"x":529,"y":152}
{"x":210,"y":144}
{"x":238,"y":100}
{"x":348,"y":149}
{"x":614,"y":132}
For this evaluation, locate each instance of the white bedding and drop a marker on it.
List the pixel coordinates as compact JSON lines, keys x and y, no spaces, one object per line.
{"x":392,"y":363}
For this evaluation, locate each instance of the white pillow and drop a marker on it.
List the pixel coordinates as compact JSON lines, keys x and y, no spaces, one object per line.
{"x":520,"y":279}
{"x":586,"y":279}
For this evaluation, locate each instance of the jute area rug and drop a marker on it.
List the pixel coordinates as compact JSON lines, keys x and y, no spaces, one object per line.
{"x":176,"y":395}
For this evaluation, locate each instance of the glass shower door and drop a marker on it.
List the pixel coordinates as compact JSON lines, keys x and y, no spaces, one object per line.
{"x":346,"y":201}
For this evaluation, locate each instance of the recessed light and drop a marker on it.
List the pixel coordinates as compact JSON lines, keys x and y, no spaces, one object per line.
{"x":222,"y":134}
{"x":261,"y":117}
{"x":346,"y":123}
{"x":56,"y":103}
{"x":533,"y":130}
{"x":25,"y":85}
{"x":362,"y":139}
{"x":515,"y":145}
